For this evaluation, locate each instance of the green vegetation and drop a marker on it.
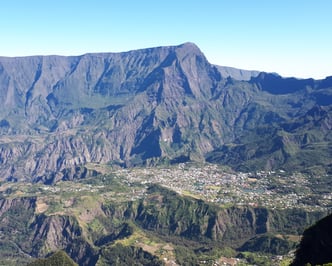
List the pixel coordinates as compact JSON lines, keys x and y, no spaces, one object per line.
{"x":269,"y":244}
{"x":59,"y":258}
{"x":256,"y":259}
{"x":186,"y":256}
{"x":119,"y":255}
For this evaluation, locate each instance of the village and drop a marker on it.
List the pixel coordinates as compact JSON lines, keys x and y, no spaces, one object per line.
{"x":222,"y":186}
{"x":210,"y":182}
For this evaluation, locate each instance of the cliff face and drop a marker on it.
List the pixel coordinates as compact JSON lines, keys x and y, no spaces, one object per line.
{"x":151,"y":105}
{"x":28,"y":234}
{"x":170,"y":214}
{"x":51,"y":231}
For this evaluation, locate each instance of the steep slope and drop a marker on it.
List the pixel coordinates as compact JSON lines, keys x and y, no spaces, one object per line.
{"x":298,"y":144}
{"x":169,"y":214}
{"x":316,"y":244}
{"x":164,"y":104}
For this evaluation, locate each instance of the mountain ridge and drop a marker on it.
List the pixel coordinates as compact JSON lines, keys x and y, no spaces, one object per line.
{"x":140,"y":107}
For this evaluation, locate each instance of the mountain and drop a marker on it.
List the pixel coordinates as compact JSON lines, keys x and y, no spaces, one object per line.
{"x":157,"y":105}
{"x":301,"y":144}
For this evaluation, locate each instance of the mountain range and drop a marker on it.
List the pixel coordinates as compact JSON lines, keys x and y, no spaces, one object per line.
{"x":156,"y":106}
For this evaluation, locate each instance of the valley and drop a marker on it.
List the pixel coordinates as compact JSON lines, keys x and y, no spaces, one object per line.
{"x":103,"y":205}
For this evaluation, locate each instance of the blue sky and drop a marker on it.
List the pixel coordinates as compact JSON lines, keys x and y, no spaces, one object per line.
{"x":290,"y":37}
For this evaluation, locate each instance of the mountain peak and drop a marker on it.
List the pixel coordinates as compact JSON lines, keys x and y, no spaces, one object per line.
{"x":189,"y":45}
{"x":188,"y":48}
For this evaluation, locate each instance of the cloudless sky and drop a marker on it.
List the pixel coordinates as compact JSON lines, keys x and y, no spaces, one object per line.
{"x":290,"y":37}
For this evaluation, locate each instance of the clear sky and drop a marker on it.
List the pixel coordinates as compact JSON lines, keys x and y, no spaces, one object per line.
{"x":290,"y":37}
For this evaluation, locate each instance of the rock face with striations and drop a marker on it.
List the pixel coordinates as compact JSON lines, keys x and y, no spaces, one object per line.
{"x":164,"y":104}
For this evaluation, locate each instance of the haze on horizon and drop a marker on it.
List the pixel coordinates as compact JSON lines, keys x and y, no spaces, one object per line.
{"x":288,"y":37}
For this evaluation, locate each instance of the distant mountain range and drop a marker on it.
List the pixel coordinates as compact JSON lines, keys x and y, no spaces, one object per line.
{"x":157,"y":105}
